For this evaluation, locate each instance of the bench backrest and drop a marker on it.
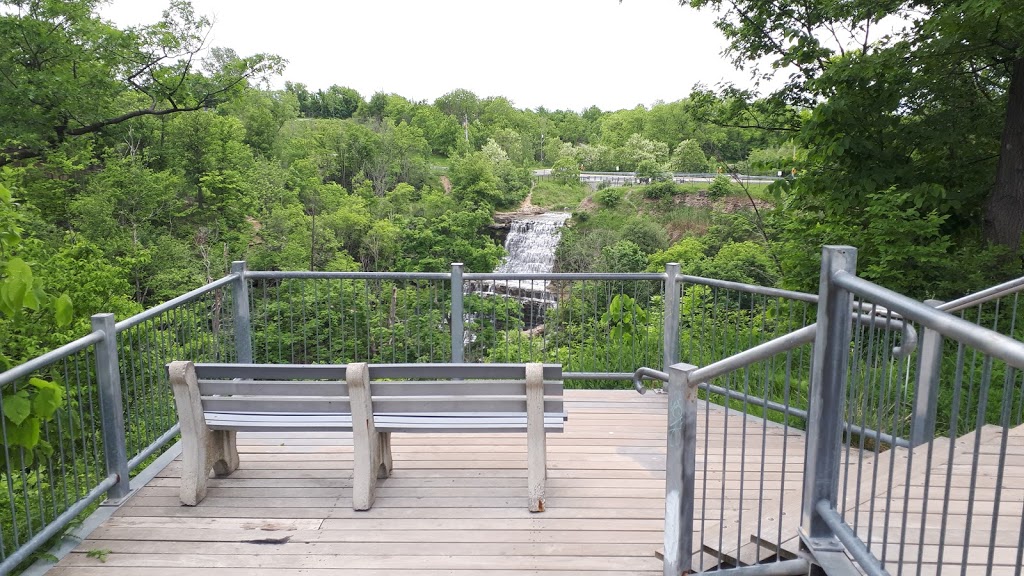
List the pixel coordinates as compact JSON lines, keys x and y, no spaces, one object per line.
{"x":441,"y":390}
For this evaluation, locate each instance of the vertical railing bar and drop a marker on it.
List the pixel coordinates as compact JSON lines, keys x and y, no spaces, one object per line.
{"x":131,"y":352}
{"x":305,"y":319}
{"x":458,"y":313}
{"x":953,"y":434}
{"x":108,"y":380}
{"x":150,"y":362}
{"x":368,"y":318}
{"x":983,"y":388}
{"x":889,"y":480}
{"x":1004,"y":420}
{"x":768,"y":373}
{"x":858,"y":331}
{"x":342,"y":315}
{"x":59,"y":418}
{"x":868,"y":385}
{"x":11,"y":498}
{"x":974,"y":360}
{"x":883,"y":396}
{"x":828,"y":392}
{"x":291,"y":319}
{"x":317,"y":308}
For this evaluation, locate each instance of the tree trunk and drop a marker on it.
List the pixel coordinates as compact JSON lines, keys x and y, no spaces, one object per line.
{"x":1004,"y":208}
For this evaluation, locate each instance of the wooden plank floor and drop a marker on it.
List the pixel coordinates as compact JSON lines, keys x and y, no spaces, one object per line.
{"x":456,"y":504}
{"x":919,"y":503}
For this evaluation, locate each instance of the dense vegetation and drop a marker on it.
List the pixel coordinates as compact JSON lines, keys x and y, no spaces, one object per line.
{"x":136,"y":164}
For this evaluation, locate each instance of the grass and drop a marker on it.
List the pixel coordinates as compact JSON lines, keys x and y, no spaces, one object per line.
{"x":554,"y":196}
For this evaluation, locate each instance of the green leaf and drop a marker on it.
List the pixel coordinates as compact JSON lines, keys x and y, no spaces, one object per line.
{"x":33,"y":298}
{"x":25,"y":434}
{"x":17,"y":406}
{"x":63,"y":310}
{"x":46,"y":401}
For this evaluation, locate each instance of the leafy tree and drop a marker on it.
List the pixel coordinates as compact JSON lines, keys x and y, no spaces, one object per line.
{"x":935,"y":107}
{"x":566,"y":171}
{"x":637,"y":151}
{"x":66,"y":73}
{"x":688,"y":157}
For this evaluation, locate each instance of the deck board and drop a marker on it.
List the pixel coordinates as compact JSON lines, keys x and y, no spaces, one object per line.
{"x":456,"y":505}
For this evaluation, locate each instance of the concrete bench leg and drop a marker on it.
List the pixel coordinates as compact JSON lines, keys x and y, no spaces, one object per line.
{"x":384,"y":440}
{"x":201,"y":448}
{"x":536,"y":440}
{"x":368,"y":445}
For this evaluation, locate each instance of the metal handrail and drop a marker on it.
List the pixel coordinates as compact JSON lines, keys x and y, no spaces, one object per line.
{"x":987,"y":295}
{"x":778,"y":345}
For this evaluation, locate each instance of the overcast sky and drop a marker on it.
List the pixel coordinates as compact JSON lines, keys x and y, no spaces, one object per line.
{"x":561,"y":54}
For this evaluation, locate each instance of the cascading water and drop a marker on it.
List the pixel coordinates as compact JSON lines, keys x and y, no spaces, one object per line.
{"x":531,"y":245}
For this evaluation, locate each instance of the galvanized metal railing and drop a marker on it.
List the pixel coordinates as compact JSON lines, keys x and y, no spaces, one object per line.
{"x":118,"y":412}
{"x":122,"y":414}
{"x":879,"y":506}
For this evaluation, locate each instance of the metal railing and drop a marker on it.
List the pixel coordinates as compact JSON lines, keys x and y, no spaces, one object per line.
{"x":879,"y":505}
{"x":753,"y":344}
{"x":118,"y":412}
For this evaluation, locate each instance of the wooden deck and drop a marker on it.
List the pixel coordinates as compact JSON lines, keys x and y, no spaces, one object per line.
{"x":456,"y":504}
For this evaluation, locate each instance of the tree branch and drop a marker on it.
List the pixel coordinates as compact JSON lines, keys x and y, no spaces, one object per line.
{"x":128,"y":116}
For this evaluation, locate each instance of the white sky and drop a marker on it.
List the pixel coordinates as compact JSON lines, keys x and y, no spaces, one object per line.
{"x":560,"y":54}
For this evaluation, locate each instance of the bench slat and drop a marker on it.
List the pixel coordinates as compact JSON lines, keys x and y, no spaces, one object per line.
{"x":337,"y":371}
{"x":325,"y":405}
{"x":434,"y":404}
{"x":272,"y":371}
{"x":458,"y":387}
{"x":446,"y":371}
{"x":272,"y":388}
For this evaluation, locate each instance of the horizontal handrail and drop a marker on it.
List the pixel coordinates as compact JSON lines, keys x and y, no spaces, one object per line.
{"x":991,"y":343}
{"x":987,"y":295}
{"x":308,"y":275}
{"x":40,"y":362}
{"x":173,"y":303}
{"x":753,"y":289}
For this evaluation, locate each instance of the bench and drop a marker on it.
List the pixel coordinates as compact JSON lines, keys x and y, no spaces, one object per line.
{"x":215,"y":401}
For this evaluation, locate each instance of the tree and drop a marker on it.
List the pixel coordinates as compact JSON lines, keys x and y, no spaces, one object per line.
{"x":688,"y":157}
{"x":935,"y":106}
{"x":66,"y":73}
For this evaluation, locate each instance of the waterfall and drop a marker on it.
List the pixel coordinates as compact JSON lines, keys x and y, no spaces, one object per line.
{"x":531,"y":245}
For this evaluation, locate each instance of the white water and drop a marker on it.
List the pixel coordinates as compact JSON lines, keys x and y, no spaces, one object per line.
{"x":531,"y":243}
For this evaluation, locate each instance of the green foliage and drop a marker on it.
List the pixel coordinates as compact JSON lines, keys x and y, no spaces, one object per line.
{"x":566,"y":171}
{"x":720,"y":187}
{"x":625,"y":318}
{"x":662,"y":189}
{"x":689,"y":157}
{"x":554,"y":196}
{"x":610,"y":197}
{"x":623,"y":256}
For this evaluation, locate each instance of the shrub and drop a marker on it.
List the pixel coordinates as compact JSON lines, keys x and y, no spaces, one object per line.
{"x":610,"y":197}
{"x":720,"y":187}
{"x":663,"y":189}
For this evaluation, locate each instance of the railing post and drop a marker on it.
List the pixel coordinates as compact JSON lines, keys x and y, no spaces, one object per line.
{"x":458,"y":315}
{"x":671,"y":317}
{"x":827,"y":394}
{"x":108,"y":381}
{"x":243,"y":328}
{"x":680,"y":469}
{"x":926,"y":386}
